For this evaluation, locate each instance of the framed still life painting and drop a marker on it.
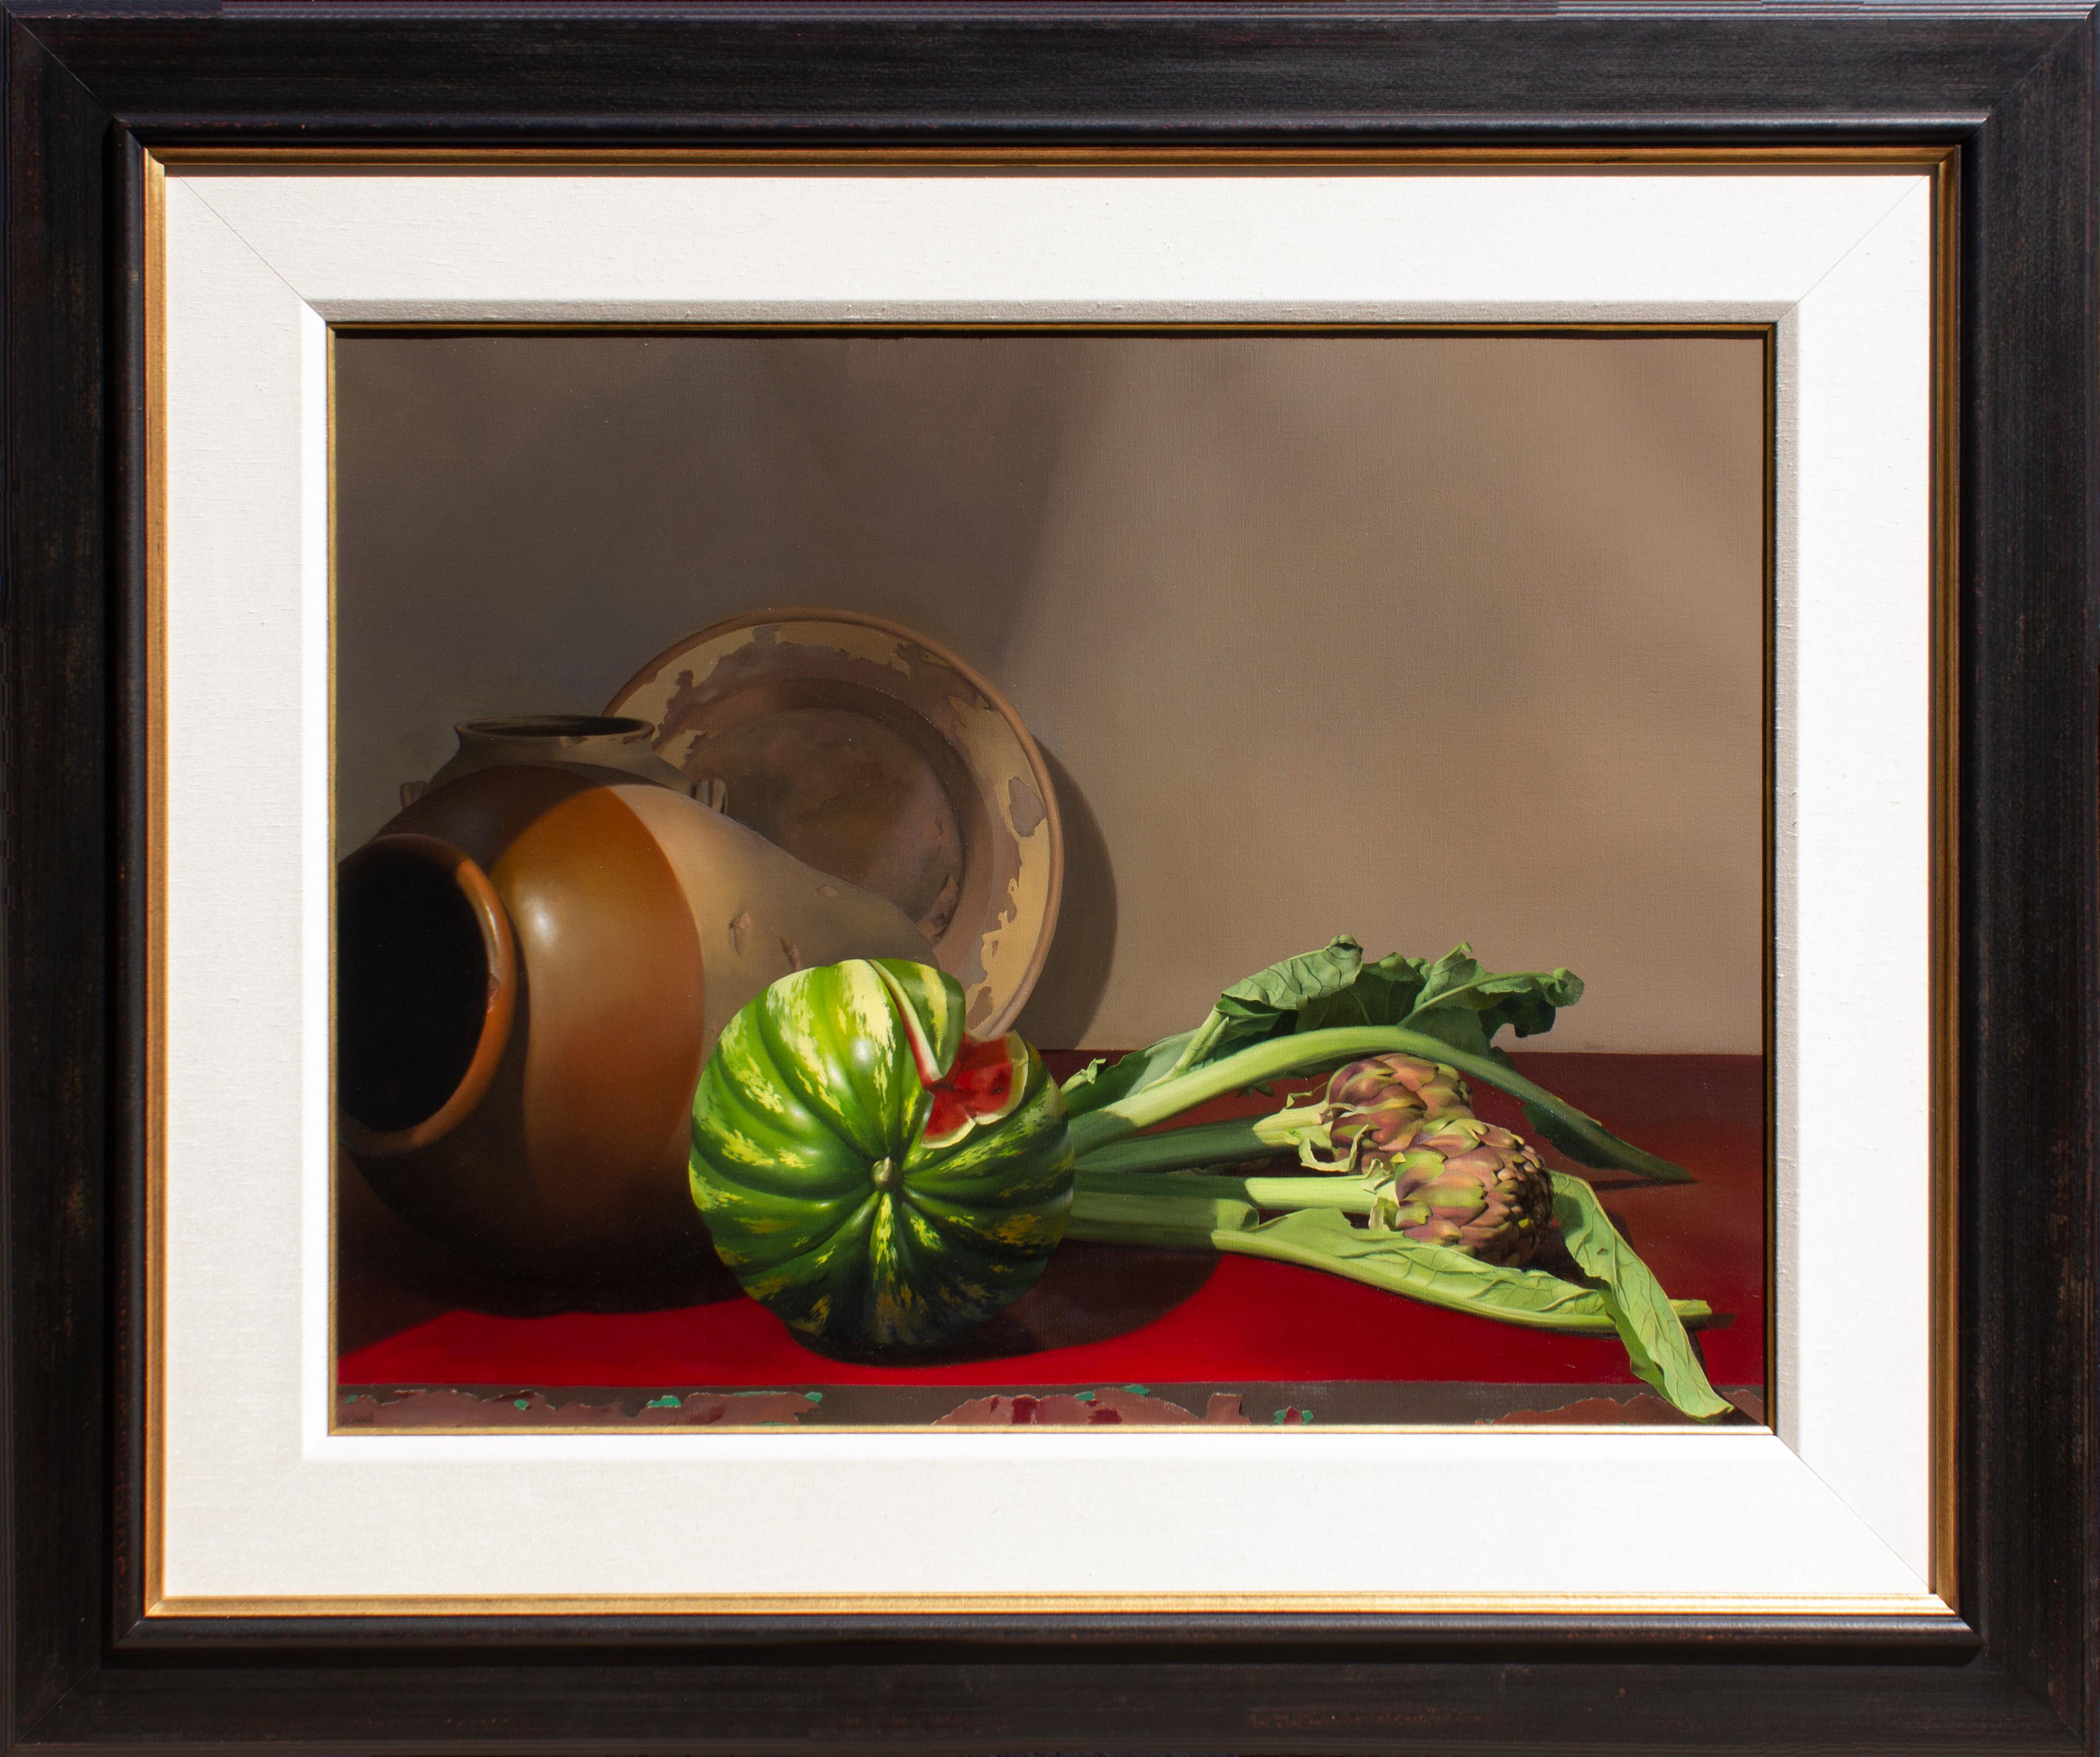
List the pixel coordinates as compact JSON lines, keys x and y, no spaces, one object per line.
{"x":953,"y":898}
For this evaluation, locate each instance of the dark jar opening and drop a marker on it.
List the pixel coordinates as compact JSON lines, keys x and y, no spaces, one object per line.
{"x":557,"y":726}
{"x":426,"y":987}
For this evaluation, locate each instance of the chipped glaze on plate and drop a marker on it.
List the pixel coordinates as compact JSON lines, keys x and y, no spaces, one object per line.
{"x":874,"y":754}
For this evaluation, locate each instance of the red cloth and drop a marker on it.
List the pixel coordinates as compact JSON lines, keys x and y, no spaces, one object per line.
{"x":1110,"y":1315}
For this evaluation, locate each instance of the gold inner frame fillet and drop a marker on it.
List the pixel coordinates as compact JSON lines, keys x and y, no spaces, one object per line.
{"x":1940,"y":164}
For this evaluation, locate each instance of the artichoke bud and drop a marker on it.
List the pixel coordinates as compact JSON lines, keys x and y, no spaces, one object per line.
{"x":1373,"y":1106}
{"x":1389,"y":1085}
{"x":1464,"y":1184}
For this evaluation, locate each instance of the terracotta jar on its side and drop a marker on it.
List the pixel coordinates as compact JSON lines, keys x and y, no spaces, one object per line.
{"x":533,"y":962}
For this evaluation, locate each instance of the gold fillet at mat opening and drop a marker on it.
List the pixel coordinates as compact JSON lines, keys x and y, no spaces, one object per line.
{"x":1631,"y":328}
{"x":1022,"y":160}
{"x":1943,"y":1367}
{"x":906,"y":1604}
{"x":1626,"y":328}
{"x":1201,"y":1433}
{"x":153,"y":1280}
{"x":1941,"y":162}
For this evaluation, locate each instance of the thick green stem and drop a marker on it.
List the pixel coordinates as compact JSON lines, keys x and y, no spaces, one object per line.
{"x":1144,"y":1207}
{"x":1185,"y":1190}
{"x":1140,"y":1207}
{"x":1247,"y":1137}
{"x":1229,"y":1074}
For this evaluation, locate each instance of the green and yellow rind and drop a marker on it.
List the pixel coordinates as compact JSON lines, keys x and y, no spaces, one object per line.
{"x":812,"y":1087}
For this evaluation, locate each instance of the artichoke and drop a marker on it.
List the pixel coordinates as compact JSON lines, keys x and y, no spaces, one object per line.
{"x":1381,"y":1097}
{"x":1436,"y":1171}
{"x":1464,"y":1184}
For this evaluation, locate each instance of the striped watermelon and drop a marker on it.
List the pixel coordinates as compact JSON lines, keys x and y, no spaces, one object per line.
{"x":869,"y":1172}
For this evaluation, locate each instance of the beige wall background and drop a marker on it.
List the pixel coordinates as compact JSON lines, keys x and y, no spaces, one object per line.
{"x":1420,"y":638}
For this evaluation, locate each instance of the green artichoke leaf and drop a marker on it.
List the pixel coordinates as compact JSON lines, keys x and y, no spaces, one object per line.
{"x":1323,"y":1238}
{"x":1466,"y":1005}
{"x":1631,"y":1303}
{"x":1454,"y":999}
{"x":1384,"y":992}
{"x":1271,"y":1002}
{"x":1102,"y":1083}
{"x":1655,"y":1338}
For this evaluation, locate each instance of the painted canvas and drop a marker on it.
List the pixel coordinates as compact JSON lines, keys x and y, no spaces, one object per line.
{"x":1099,"y":878}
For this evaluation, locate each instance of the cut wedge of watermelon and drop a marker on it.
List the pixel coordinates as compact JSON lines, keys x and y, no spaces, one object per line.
{"x":984,"y":1086}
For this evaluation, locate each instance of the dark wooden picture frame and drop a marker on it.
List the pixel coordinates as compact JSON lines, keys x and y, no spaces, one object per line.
{"x":87,"y":94}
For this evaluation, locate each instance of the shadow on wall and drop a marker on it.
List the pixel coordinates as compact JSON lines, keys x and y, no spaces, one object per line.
{"x":523,"y":521}
{"x":1068,"y":994}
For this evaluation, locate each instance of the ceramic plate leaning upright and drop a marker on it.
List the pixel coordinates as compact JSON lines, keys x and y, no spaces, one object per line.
{"x":872,"y":753}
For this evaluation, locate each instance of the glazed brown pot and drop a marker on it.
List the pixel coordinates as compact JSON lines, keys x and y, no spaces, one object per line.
{"x":597,"y":741}
{"x":533,"y":961}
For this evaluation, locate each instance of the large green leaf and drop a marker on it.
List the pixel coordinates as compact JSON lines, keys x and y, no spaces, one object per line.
{"x":1102,"y":1083}
{"x":1454,"y":999}
{"x":1269,"y":1002}
{"x":1383,"y":993}
{"x":1466,"y":1005}
{"x":1655,"y":1339}
{"x":1323,"y":1238}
